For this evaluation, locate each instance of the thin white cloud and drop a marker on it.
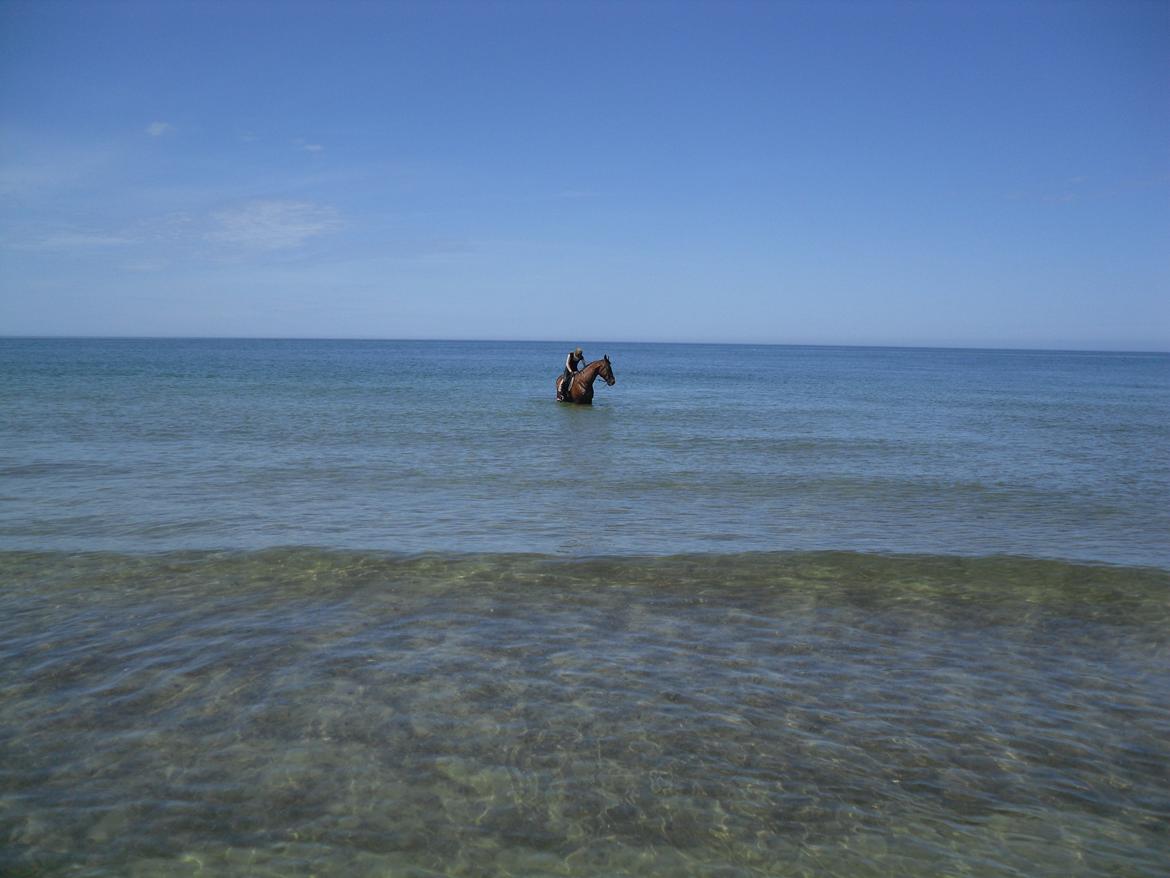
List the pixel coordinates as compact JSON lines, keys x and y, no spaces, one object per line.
{"x":66,"y":240}
{"x":273,"y":225}
{"x":301,"y":143}
{"x":159,"y":129}
{"x":30,"y":175}
{"x":1086,"y":189}
{"x":146,"y":266}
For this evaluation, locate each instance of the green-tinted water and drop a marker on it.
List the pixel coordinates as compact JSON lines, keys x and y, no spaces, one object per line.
{"x":297,"y":712}
{"x":915,"y":699}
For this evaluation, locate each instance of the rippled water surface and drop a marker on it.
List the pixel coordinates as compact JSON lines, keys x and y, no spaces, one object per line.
{"x":305,"y":712}
{"x":126,"y":445}
{"x":386,"y":609}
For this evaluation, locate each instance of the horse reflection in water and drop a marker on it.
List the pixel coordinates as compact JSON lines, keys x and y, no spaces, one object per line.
{"x":580,"y":386}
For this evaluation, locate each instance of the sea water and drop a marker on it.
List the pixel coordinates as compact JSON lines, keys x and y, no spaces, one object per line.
{"x":386,"y":608}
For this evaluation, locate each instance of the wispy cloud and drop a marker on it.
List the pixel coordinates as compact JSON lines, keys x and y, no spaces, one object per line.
{"x":252,"y":227}
{"x":160,"y":129}
{"x":1064,"y":192}
{"x":147,"y":266}
{"x":73,"y":238}
{"x":33,"y":174}
{"x":273,"y":225}
{"x":1075,"y":189}
{"x":313,"y":147}
{"x":67,"y":240}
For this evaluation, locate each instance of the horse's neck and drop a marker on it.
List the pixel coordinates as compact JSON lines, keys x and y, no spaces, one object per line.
{"x":589,"y":373}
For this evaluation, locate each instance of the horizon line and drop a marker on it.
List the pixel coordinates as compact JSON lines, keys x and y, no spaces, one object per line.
{"x":465,"y":340}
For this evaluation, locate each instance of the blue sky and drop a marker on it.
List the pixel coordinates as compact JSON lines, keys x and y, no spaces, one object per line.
{"x":844,"y":173}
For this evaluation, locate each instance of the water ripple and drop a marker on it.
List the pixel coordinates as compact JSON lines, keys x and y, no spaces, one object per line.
{"x":299,"y":711}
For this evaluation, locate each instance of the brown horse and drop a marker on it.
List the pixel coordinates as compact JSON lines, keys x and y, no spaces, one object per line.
{"x":580,"y":389}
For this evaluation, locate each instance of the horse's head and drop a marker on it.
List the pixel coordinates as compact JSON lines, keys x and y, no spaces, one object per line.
{"x":606,"y":371}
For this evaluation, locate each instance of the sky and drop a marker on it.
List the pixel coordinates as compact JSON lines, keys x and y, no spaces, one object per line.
{"x":903,"y":173}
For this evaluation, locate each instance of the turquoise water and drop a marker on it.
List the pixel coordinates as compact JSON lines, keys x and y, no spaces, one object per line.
{"x":373,"y":608}
{"x":157,"y":445}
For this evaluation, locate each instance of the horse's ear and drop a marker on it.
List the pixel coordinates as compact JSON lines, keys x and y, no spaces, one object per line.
{"x":606,"y":356}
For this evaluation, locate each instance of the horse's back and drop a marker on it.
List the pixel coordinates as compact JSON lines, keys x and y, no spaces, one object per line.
{"x":564,"y":390}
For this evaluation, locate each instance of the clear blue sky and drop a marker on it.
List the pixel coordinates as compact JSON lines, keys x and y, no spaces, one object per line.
{"x":973,"y":173}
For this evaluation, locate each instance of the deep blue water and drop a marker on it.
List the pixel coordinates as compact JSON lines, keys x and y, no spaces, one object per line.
{"x":385,"y":608}
{"x":135,"y":445}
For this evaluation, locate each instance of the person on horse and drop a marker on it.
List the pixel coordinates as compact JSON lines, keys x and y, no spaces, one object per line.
{"x":572,"y":363}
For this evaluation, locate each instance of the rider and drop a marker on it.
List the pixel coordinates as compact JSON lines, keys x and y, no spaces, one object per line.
{"x":572,"y":361}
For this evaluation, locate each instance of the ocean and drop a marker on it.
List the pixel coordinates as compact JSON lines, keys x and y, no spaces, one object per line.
{"x":288,"y":607}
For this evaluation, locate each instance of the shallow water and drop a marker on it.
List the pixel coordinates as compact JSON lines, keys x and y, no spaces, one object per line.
{"x":299,"y":711}
{"x":385,"y":608}
{"x":132,"y":445}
